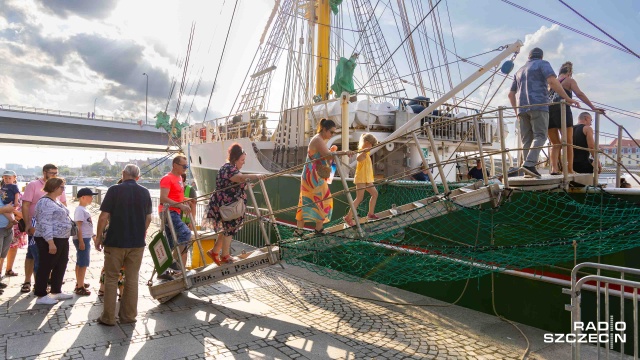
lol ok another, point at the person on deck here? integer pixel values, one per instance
(422, 175)
(32, 193)
(583, 137)
(476, 171)
(316, 204)
(530, 88)
(127, 209)
(172, 193)
(555, 115)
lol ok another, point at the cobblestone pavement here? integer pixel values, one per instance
(273, 313)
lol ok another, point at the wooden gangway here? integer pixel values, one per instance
(393, 218)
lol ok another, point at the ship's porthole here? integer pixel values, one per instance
(200, 160)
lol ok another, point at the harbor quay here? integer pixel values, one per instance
(280, 312)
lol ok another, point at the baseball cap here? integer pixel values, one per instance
(9, 173)
(85, 192)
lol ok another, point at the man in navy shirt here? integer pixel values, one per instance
(530, 86)
(127, 209)
(476, 171)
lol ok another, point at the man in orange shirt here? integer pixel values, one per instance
(172, 193)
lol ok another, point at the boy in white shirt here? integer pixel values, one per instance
(82, 241)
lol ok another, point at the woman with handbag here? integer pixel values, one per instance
(315, 204)
(228, 203)
(53, 229)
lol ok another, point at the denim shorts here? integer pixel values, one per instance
(182, 230)
(32, 253)
(82, 256)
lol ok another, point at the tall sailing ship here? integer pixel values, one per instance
(530, 238)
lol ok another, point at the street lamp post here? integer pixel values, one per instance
(94, 106)
(146, 101)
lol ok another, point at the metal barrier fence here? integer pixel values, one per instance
(607, 331)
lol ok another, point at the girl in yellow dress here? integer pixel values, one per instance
(364, 178)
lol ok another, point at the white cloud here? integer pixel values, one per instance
(549, 39)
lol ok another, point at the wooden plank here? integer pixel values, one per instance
(412, 213)
(257, 259)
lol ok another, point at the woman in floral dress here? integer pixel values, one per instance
(230, 185)
(315, 204)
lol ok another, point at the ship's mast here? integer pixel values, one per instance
(323, 13)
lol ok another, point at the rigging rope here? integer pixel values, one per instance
(597, 27)
(568, 27)
(224, 47)
(401, 43)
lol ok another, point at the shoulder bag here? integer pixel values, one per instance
(74, 226)
(232, 211)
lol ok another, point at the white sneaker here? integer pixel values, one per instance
(61, 296)
(46, 300)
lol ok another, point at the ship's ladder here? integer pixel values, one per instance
(163, 256)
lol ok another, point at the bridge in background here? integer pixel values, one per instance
(34, 126)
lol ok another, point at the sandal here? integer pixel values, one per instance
(349, 221)
(298, 233)
(10, 273)
(100, 292)
(82, 291)
(215, 257)
(318, 232)
(26, 287)
(227, 259)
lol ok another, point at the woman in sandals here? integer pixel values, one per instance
(364, 178)
(230, 185)
(315, 204)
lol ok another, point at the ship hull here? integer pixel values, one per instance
(534, 302)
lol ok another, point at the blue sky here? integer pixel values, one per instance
(59, 54)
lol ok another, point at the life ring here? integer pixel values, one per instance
(203, 134)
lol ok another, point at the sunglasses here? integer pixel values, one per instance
(52, 173)
(185, 166)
